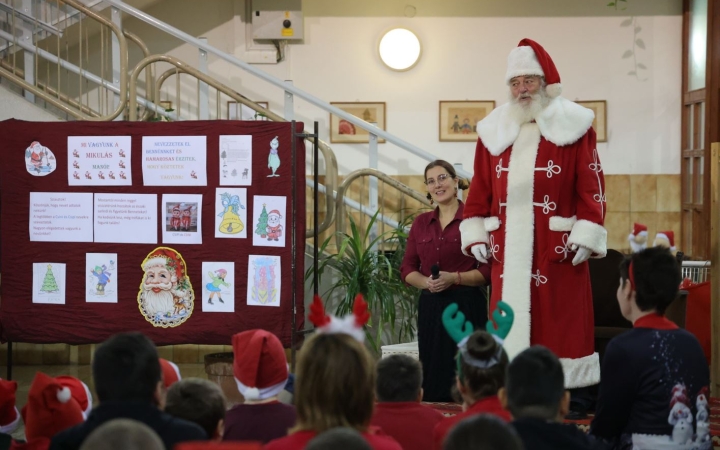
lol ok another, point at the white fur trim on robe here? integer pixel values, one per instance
(562, 122)
(589, 235)
(475, 230)
(519, 236)
(581, 372)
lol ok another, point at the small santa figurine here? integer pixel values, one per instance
(638, 237)
(175, 219)
(665, 239)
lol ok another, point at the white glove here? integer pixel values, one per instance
(582, 255)
(480, 252)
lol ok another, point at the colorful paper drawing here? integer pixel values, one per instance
(274, 157)
(181, 218)
(39, 160)
(49, 283)
(269, 220)
(264, 280)
(101, 284)
(230, 212)
(218, 293)
(166, 297)
(235, 160)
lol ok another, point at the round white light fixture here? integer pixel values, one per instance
(399, 49)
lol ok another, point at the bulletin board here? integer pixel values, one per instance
(94, 272)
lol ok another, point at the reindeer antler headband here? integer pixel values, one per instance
(351, 324)
(460, 330)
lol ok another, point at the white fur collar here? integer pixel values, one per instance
(562, 122)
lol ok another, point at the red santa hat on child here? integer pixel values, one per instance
(529, 58)
(665, 239)
(9, 415)
(170, 372)
(351, 324)
(50, 408)
(79, 391)
(638, 237)
(260, 366)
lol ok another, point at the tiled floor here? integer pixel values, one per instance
(25, 374)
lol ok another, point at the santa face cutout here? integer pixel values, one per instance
(166, 295)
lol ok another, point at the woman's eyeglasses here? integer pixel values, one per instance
(440, 180)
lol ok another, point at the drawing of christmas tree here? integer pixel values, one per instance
(49, 283)
(261, 228)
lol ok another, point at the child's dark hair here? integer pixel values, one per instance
(399, 379)
(199, 401)
(482, 432)
(480, 383)
(656, 278)
(535, 384)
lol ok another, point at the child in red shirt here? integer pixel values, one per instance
(399, 412)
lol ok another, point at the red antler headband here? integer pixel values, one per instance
(631, 275)
(351, 324)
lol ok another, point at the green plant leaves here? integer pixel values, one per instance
(640, 43)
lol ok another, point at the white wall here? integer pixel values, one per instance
(13, 106)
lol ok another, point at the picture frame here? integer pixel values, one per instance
(599, 107)
(343, 132)
(166, 105)
(238, 111)
(458, 119)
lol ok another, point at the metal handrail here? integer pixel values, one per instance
(372, 129)
(328, 154)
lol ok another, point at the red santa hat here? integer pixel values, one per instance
(351, 324)
(665, 239)
(274, 211)
(176, 208)
(50, 408)
(79, 391)
(260, 365)
(168, 258)
(529, 58)
(9, 415)
(639, 229)
(170, 371)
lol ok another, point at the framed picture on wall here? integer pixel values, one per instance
(238, 111)
(166, 105)
(599, 107)
(458, 119)
(342, 131)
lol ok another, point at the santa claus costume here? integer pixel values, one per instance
(537, 196)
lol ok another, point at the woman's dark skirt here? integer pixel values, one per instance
(437, 349)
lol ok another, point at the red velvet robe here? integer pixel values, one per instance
(537, 189)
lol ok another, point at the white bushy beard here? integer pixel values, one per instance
(526, 113)
(159, 302)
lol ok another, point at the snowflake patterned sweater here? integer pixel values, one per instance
(653, 393)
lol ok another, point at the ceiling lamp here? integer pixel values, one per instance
(400, 49)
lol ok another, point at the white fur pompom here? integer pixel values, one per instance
(251, 394)
(63, 395)
(553, 90)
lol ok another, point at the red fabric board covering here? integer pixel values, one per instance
(697, 315)
(78, 322)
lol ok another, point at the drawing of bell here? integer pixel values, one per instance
(231, 223)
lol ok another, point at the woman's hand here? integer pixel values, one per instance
(444, 281)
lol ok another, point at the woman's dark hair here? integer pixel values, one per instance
(656, 276)
(479, 382)
(462, 182)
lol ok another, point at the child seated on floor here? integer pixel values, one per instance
(335, 381)
(399, 412)
(261, 372)
(481, 364)
(535, 395)
(50, 409)
(199, 401)
(654, 378)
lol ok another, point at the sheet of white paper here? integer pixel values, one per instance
(174, 160)
(99, 160)
(269, 220)
(235, 160)
(101, 285)
(218, 291)
(61, 217)
(264, 280)
(49, 283)
(181, 221)
(126, 218)
(231, 213)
